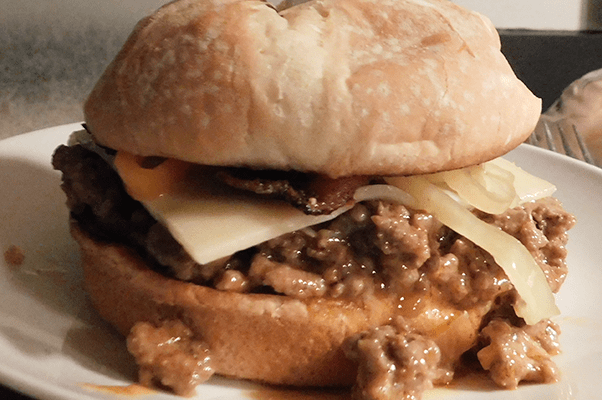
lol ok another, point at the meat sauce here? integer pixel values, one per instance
(377, 248)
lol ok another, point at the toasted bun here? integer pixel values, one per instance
(266, 338)
(340, 87)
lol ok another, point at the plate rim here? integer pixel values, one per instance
(59, 135)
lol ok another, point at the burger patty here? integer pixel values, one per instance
(376, 248)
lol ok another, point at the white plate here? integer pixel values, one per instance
(53, 346)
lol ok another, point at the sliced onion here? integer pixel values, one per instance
(493, 187)
(384, 192)
(491, 193)
(528, 187)
(536, 298)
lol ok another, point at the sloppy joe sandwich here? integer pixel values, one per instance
(314, 196)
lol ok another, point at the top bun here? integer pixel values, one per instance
(339, 87)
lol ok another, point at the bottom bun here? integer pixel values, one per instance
(262, 337)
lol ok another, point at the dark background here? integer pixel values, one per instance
(549, 61)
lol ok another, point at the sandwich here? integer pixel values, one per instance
(315, 197)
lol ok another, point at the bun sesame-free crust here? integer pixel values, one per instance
(339, 87)
(267, 338)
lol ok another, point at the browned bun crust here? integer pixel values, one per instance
(267, 338)
(340, 87)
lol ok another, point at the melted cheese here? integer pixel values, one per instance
(211, 223)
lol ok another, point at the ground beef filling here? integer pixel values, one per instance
(388, 355)
(376, 247)
(169, 356)
(512, 354)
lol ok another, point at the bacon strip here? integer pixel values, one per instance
(313, 194)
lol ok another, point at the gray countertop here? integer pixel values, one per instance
(45, 80)
(52, 52)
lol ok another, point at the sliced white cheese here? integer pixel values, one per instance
(212, 224)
